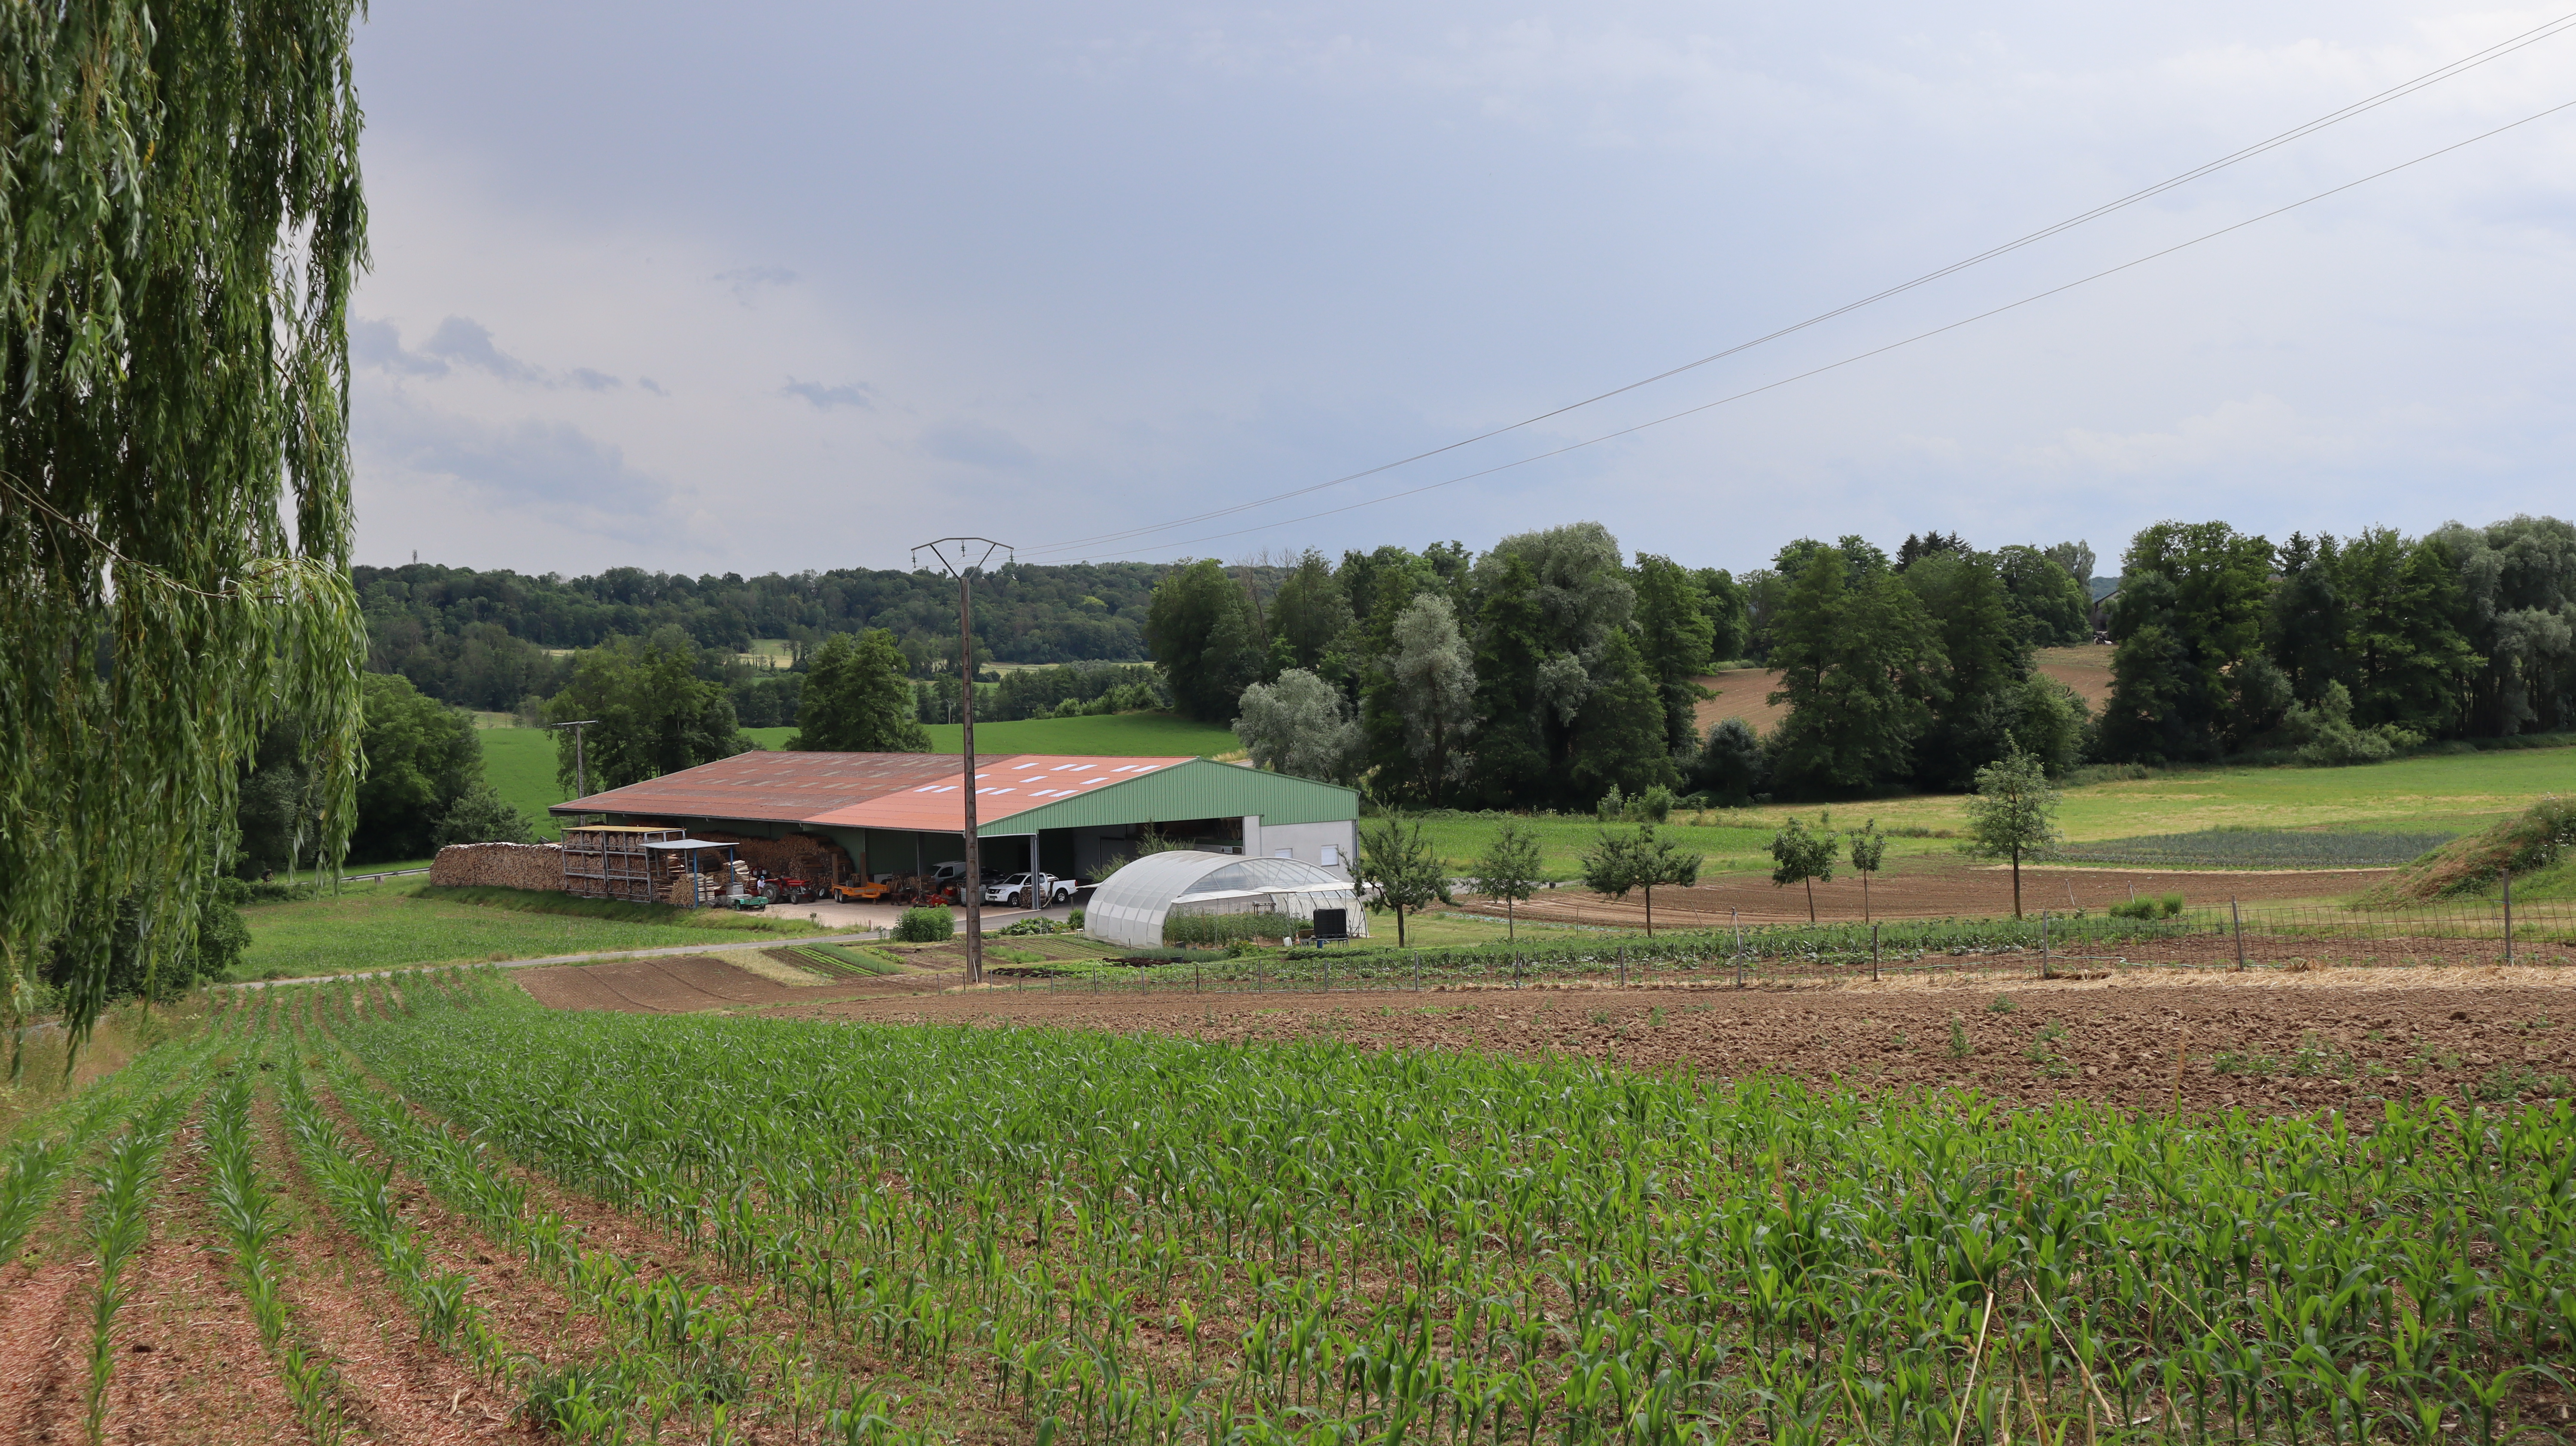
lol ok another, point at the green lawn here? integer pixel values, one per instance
(384, 926)
(520, 762)
(2458, 793)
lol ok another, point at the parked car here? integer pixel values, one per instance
(1013, 889)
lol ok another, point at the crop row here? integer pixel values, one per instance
(1142, 1239)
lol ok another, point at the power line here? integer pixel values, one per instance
(1865, 355)
(2493, 52)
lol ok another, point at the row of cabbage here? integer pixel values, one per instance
(1070, 1236)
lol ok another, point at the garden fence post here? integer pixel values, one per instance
(1623, 966)
(2236, 917)
(1417, 971)
(1873, 953)
(1738, 921)
(2508, 916)
(2043, 944)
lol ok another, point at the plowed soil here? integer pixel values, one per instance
(2263, 1041)
(1935, 888)
(1742, 692)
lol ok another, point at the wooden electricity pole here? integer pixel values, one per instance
(961, 558)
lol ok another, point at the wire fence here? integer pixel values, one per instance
(2232, 936)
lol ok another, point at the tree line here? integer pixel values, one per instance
(1553, 670)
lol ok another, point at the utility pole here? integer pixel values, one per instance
(580, 771)
(961, 558)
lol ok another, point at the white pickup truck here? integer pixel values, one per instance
(1015, 889)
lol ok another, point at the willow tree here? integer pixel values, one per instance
(180, 224)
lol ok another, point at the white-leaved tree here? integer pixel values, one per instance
(1298, 725)
(1431, 685)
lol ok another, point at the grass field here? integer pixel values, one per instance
(520, 762)
(389, 925)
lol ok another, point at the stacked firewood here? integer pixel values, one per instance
(500, 865)
(797, 856)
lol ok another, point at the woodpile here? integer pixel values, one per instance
(708, 887)
(797, 856)
(500, 866)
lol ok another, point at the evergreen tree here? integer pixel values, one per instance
(857, 700)
(1204, 636)
(1617, 740)
(2407, 660)
(1674, 638)
(1857, 667)
(2199, 686)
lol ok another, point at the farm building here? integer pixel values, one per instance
(902, 813)
(1132, 904)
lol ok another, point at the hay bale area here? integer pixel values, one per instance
(797, 856)
(500, 866)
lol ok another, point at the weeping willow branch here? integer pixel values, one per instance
(180, 225)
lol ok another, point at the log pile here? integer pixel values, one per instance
(710, 886)
(797, 856)
(500, 866)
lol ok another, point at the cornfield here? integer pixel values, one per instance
(907, 1234)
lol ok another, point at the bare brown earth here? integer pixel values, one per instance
(683, 985)
(1744, 692)
(2370, 1035)
(1936, 888)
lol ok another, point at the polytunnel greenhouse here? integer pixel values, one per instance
(1134, 905)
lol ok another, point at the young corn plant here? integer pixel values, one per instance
(121, 1186)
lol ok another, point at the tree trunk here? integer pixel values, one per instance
(1650, 911)
(2016, 881)
(1399, 928)
(1864, 896)
(1811, 900)
(1511, 925)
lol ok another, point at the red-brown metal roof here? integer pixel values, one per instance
(919, 791)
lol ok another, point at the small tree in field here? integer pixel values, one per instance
(1868, 851)
(1398, 860)
(1509, 871)
(1638, 861)
(2012, 813)
(1800, 857)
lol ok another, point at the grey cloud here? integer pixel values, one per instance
(468, 342)
(379, 344)
(650, 385)
(549, 467)
(592, 381)
(746, 280)
(976, 445)
(828, 398)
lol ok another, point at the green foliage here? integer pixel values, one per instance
(2324, 736)
(1733, 768)
(1511, 869)
(183, 223)
(1418, 700)
(217, 939)
(2013, 813)
(390, 925)
(2152, 907)
(1867, 848)
(856, 699)
(422, 759)
(653, 714)
(1397, 869)
(1640, 861)
(1298, 726)
(1675, 638)
(1205, 929)
(2537, 838)
(1801, 857)
(926, 925)
(1858, 660)
(482, 815)
(1309, 614)
(2187, 679)
(1206, 639)
(2050, 606)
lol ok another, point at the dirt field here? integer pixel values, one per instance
(1741, 693)
(1936, 888)
(2263, 1042)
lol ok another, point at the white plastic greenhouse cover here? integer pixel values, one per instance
(1129, 906)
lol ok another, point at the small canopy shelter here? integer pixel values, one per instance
(1130, 905)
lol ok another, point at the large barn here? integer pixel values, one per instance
(904, 813)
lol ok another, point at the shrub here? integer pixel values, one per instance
(926, 925)
(1074, 920)
(1227, 928)
(1034, 924)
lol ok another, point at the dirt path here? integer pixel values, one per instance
(2272, 1043)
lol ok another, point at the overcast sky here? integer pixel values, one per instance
(753, 288)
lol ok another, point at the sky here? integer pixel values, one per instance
(749, 289)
